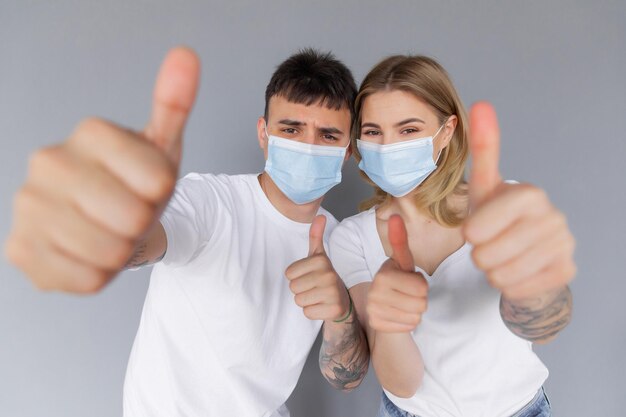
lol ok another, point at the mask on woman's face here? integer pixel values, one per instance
(303, 172)
(398, 168)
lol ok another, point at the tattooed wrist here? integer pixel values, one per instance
(139, 257)
(538, 319)
(344, 354)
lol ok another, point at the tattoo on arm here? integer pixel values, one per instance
(344, 357)
(139, 258)
(537, 320)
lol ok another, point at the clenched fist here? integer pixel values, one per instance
(398, 295)
(520, 239)
(86, 202)
(314, 282)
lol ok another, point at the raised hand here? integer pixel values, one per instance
(520, 239)
(314, 282)
(88, 200)
(398, 295)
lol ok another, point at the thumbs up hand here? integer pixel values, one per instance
(315, 284)
(520, 239)
(398, 295)
(87, 201)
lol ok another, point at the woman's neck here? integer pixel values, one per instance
(413, 215)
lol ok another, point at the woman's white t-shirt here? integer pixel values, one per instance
(474, 365)
(220, 334)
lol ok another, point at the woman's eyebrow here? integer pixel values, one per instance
(411, 120)
(374, 125)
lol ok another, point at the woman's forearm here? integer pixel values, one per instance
(398, 363)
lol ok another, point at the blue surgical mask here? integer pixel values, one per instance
(398, 168)
(302, 171)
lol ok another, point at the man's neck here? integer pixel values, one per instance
(302, 213)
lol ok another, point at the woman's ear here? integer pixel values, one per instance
(448, 130)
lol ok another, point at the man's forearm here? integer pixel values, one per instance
(344, 354)
(540, 319)
(150, 249)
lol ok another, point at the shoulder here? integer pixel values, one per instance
(331, 221)
(352, 228)
(200, 184)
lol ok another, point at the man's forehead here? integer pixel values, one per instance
(281, 108)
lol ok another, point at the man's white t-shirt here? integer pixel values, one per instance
(220, 333)
(474, 365)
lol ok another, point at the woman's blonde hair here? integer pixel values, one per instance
(428, 80)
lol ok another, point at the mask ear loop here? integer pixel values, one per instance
(439, 130)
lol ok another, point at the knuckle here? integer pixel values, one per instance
(572, 271)
(422, 284)
(42, 160)
(330, 279)
(89, 126)
(44, 285)
(139, 219)
(299, 300)
(92, 282)
(163, 183)
(477, 257)
(560, 219)
(494, 279)
(16, 251)
(567, 272)
(119, 252)
(25, 200)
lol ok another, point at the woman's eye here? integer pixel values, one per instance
(409, 130)
(371, 133)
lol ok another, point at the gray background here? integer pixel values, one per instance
(554, 70)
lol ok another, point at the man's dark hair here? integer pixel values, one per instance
(309, 77)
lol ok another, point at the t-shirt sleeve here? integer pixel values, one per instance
(347, 255)
(189, 219)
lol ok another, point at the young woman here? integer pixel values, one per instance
(453, 280)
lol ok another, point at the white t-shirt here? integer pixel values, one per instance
(474, 366)
(220, 333)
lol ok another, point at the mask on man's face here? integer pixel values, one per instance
(303, 172)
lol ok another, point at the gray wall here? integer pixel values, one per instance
(555, 71)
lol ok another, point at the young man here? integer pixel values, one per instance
(220, 333)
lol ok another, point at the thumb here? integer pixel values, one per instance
(174, 94)
(484, 143)
(400, 243)
(316, 235)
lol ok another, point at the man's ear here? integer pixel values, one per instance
(348, 153)
(261, 135)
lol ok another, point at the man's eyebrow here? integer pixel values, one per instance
(327, 130)
(291, 122)
(298, 123)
